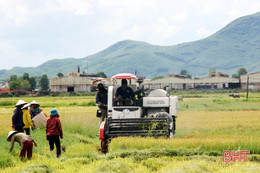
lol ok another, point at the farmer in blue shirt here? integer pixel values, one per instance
(125, 94)
(17, 118)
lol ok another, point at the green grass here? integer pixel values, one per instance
(49, 101)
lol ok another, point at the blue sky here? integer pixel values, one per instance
(35, 31)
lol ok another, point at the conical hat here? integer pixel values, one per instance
(34, 103)
(10, 134)
(20, 102)
(26, 106)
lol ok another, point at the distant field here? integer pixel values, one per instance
(207, 125)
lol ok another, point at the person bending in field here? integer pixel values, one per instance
(25, 141)
(54, 131)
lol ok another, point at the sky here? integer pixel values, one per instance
(35, 31)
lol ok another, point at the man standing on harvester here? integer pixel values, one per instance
(125, 94)
(101, 101)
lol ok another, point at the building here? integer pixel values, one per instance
(73, 82)
(253, 81)
(180, 83)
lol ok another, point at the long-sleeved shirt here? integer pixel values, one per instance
(34, 111)
(17, 118)
(125, 93)
(27, 119)
(20, 138)
(101, 97)
(53, 127)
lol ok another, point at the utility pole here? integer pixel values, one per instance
(247, 82)
(87, 65)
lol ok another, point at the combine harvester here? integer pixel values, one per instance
(151, 115)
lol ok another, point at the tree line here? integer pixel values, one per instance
(27, 83)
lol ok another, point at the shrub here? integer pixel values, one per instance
(43, 93)
(6, 94)
(18, 93)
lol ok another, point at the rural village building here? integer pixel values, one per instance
(73, 82)
(179, 82)
(82, 82)
(253, 81)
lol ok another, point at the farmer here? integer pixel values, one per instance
(34, 110)
(125, 94)
(17, 118)
(54, 131)
(27, 119)
(25, 141)
(101, 100)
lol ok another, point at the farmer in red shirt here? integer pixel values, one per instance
(54, 131)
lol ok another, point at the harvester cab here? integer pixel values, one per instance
(151, 115)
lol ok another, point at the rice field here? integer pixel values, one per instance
(201, 137)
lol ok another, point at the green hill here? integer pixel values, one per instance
(236, 45)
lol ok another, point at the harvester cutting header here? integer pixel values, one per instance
(150, 114)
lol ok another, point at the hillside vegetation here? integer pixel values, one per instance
(236, 45)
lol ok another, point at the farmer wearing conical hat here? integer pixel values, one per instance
(25, 141)
(34, 110)
(17, 118)
(27, 119)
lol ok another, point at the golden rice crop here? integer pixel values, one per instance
(201, 137)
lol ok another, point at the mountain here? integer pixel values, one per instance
(236, 45)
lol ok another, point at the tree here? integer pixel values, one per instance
(44, 82)
(212, 71)
(25, 76)
(7, 79)
(14, 85)
(13, 77)
(183, 72)
(241, 71)
(101, 74)
(60, 74)
(235, 76)
(157, 77)
(25, 85)
(32, 82)
(189, 76)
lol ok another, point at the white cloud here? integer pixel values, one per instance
(78, 7)
(59, 28)
(203, 32)
(13, 13)
(181, 17)
(165, 29)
